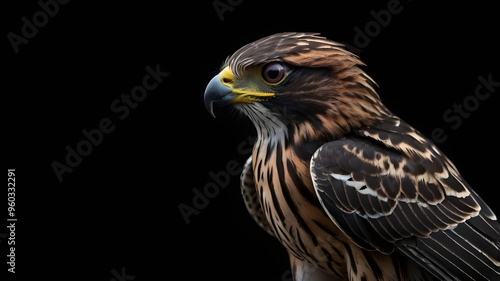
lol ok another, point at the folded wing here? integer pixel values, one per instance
(389, 188)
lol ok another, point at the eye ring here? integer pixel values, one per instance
(273, 73)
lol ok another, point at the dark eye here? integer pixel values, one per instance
(273, 72)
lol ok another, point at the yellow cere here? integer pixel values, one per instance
(242, 95)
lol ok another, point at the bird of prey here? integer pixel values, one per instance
(351, 190)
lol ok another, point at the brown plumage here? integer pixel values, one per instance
(348, 188)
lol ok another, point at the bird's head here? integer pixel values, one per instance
(298, 80)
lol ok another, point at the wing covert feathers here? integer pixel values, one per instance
(387, 190)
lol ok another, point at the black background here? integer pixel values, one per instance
(119, 208)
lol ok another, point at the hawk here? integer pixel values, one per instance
(351, 190)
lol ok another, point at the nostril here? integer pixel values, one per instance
(226, 80)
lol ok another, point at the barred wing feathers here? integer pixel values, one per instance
(387, 187)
